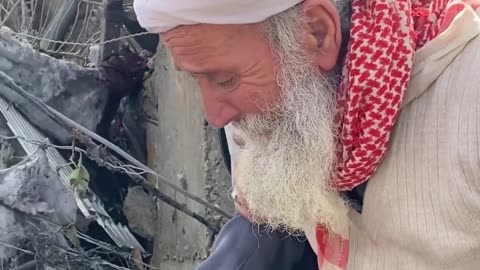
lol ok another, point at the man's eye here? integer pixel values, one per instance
(227, 83)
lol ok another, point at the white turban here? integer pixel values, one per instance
(162, 15)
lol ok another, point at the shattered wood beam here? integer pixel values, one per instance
(111, 25)
(60, 23)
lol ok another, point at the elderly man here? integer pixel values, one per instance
(325, 96)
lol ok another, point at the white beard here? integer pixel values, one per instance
(284, 171)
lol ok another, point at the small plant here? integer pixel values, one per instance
(79, 177)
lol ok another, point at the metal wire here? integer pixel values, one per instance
(78, 43)
(36, 23)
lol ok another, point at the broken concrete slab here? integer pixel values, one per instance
(67, 87)
(32, 188)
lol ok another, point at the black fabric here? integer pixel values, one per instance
(244, 246)
(355, 196)
(224, 149)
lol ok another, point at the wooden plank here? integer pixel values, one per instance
(60, 23)
(111, 25)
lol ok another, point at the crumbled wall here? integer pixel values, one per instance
(185, 149)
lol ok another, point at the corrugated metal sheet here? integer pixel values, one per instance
(90, 205)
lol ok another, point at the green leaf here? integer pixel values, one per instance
(79, 177)
(71, 233)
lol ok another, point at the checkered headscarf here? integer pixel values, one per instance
(384, 37)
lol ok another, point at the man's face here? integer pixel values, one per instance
(260, 78)
(233, 66)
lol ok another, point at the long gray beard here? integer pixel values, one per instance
(284, 171)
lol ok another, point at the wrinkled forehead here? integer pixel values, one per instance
(206, 32)
(192, 46)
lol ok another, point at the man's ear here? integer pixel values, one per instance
(323, 35)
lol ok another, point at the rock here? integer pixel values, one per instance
(140, 209)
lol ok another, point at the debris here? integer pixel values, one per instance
(66, 87)
(85, 135)
(122, 73)
(148, 42)
(140, 209)
(96, 153)
(94, 55)
(74, 97)
(88, 203)
(138, 260)
(59, 24)
(32, 188)
(95, 113)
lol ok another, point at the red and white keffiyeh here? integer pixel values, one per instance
(384, 36)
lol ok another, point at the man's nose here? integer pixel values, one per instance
(219, 113)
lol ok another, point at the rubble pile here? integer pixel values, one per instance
(46, 220)
(69, 200)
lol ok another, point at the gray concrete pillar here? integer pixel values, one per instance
(185, 149)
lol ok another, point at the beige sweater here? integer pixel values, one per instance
(422, 207)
